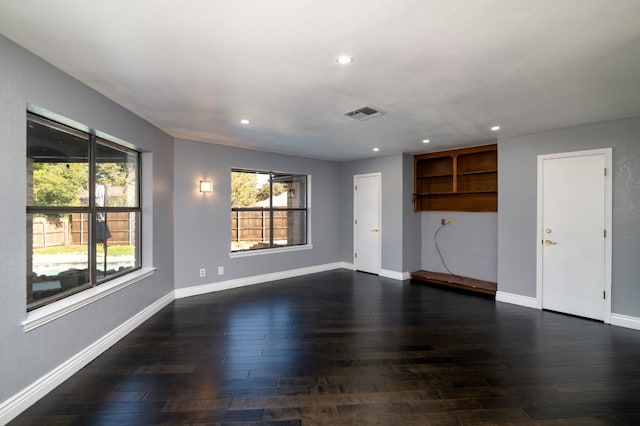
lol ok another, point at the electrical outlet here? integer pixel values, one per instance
(203, 272)
(220, 270)
(443, 221)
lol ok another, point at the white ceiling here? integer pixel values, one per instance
(446, 70)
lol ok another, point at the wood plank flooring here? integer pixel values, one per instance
(344, 348)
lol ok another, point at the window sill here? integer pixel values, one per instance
(260, 252)
(62, 307)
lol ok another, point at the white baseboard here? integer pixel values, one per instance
(516, 299)
(347, 265)
(625, 321)
(395, 275)
(256, 279)
(19, 402)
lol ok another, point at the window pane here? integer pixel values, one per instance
(58, 258)
(289, 191)
(117, 248)
(289, 227)
(249, 189)
(250, 230)
(266, 203)
(116, 176)
(57, 166)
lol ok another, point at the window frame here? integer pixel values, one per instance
(270, 210)
(118, 279)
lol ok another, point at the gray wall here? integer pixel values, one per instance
(24, 357)
(517, 205)
(469, 245)
(203, 222)
(392, 202)
(411, 223)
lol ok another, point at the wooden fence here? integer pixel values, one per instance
(50, 233)
(253, 226)
(75, 231)
(121, 225)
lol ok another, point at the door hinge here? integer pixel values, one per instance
(604, 295)
(356, 221)
(355, 188)
(605, 233)
(605, 171)
(355, 255)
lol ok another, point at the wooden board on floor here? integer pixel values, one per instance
(472, 284)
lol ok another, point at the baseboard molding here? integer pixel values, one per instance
(516, 299)
(347, 265)
(256, 279)
(625, 321)
(19, 402)
(395, 275)
(531, 302)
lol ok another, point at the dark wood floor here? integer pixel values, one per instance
(343, 348)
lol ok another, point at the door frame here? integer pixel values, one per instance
(608, 209)
(378, 176)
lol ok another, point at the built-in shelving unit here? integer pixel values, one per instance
(463, 179)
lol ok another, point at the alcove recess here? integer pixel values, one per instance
(463, 180)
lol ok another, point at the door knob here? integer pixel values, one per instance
(374, 230)
(549, 243)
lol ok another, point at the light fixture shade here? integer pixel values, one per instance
(206, 186)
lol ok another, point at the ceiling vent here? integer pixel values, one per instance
(364, 113)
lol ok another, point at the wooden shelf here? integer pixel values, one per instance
(435, 175)
(486, 191)
(457, 180)
(476, 172)
(464, 283)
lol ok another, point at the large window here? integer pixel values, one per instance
(83, 210)
(268, 210)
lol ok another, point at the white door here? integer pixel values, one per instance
(572, 233)
(366, 227)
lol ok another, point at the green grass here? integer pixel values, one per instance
(111, 250)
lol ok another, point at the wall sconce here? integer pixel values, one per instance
(206, 186)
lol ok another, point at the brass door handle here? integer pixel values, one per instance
(549, 243)
(374, 230)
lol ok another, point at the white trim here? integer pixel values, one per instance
(608, 205)
(400, 276)
(347, 265)
(256, 279)
(22, 400)
(378, 176)
(517, 299)
(248, 253)
(625, 321)
(62, 307)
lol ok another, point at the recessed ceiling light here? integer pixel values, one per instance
(376, 149)
(344, 59)
(425, 141)
(244, 121)
(495, 128)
